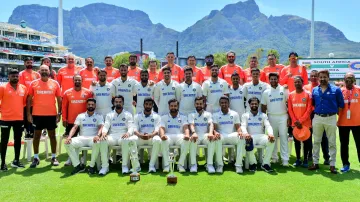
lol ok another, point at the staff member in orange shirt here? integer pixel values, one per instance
(42, 94)
(134, 71)
(25, 78)
(349, 119)
(66, 74)
(209, 61)
(226, 71)
(253, 64)
(47, 62)
(111, 72)
(153, 73)
(272, 67)
(12, 97)
(177, 73)
(88, 74)
(300, 108)
(288, 72)
(198, 76)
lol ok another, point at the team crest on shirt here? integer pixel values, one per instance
(269, 95)
(136, 73)
(118, 84)
(281, 93)
(221, 85)
(83, 95)
(108, 89)
(179, 121)
(240, 92)
(194, 89)
(260, 88)
(260, 119)
(168, 121)
(231, 117)
(149, 89)
(141, 120)
(152, 120)
(155, 78)
(205, 119)
(123, 119)
(162, 89)
(129, 85)
(94, 120)
(277, 69)
(175, 72)
(356, 95)
(113, 73)
(83, 119)
(173, 88)
(304, 99)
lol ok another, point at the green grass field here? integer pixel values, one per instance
(47, 183)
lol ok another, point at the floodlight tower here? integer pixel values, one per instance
(60, 25)
(312, 35)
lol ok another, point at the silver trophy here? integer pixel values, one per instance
(134, 176)
(171, 178)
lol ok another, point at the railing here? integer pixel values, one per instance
(24, 41)
(20, 62)
(28, 52)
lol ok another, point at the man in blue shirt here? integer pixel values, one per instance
(327, 99)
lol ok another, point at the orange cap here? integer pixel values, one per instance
(301, 134)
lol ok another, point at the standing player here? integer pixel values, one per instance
(111, 72)
(209, 61)
(153, 73)
(66, 74)
(147, 125)
(213, 89)
(43, 94)
(253, 64)
(227, 131)
(198, 76)
(143, 90)
(236, 95)
(274, 102)
(88, 74)
(272, 67)
(226, 71)
(254, 88)
(47, 61)
(165, 90)
(134, 71)
(13, 98)
(288, 72)
(188, 91)
(177, 73)
(174, 130)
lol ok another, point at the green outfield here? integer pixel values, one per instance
(47, 183)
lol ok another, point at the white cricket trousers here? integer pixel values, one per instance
(261, 139)
(127, 145)
(279, 125)
(155, 143)
(328, 124)
(87, 141)
(178, 140)
(230, 139)
(202, 139)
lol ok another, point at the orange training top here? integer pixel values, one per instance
(154, 76)
(12, 102)
(226, 71)
(112, 74)
(88, 77)
(207, 73)
(74, 103)
(268, 69)
(65, 77)
(177, 73)
(297, 71)
(198, 76)
(134, 73)
(300, 107)
(25, 77)
(352, 102)
(248, 76)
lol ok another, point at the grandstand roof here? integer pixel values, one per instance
(18, 28)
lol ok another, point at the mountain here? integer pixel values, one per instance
(101, 29)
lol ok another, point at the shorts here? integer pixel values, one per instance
(68, 129)
(44, 122)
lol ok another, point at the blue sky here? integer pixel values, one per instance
(178, 15)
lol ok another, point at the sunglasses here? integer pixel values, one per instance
(231, 56)
(209, 60)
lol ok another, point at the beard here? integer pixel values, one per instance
(91, 109)
(209, 63)
(254, 108)
(148, 109)
(44, 74)
(132, 63)
(102, 79)
(144, 80)
(77, 84)
(29, 66)
(198, 109)
(174, 110)
(118, 107)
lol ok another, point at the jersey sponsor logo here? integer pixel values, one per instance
(44, 92)
(77, 101)
(277, 100)
(124, 90)
(102, 94)
(352, 101)
(173, 126)
(189, 95)
(254, 124)
(168, 94)
(255, 93)
(144, 94)
(216, 91)
(89, 125)
(236, 97)
(118, 124)
(147, 126)
(299, 105)
(200, 124)
(225, 122)
(68, 77)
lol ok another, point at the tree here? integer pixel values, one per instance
(120, 59)
(276, 53)
(220, 59)
(258, 53)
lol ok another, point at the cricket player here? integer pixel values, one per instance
(174, 130)
(227, 131)
(236, 95)
(254, 88)
(252, 125)
(274, 102)
(202, 130)
(187, 93)
(90, 124)
(147, 125)
(143, 90)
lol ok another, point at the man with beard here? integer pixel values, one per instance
(254, 88)
(118, 130)
(213, 89)
(227, 70)
(147, 125)
(327, 99)
(288, 72)
(153, 73)
(253, 64)
(66, 74)
(44, 93)
(253, 124)
(201, 128)
(188, 91)
(13, 98)
(143, 90)
(236, 95)
(274, 102)
(272, 67)
(134, 71)
(209, 61)
(174, 130)
(177, 73)
(88, 74)
(126, 87)
(165, 90)
(25, 78)
(111, 72)
(90, 124)
(198, 76)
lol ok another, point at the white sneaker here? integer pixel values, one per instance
(210, 168)
(193, 168)
(181, 168)
(103, 171)
(152, 169)
(285, 163)
(68, 162)
(166, 169)
(125, 170)
(274, 160)
(219, 169)
(239, 169)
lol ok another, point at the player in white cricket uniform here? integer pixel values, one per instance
(174, 130)
(147, 125)
(213, 89)
(202, 130)
(274, 102)
(227, 131)
(103, 93)
(255, 88)
(236, 95)
(188, 91)
(126, 87)
(90, 124)
(164, 91)
(143, 90)
(253, 124)
(118, 130)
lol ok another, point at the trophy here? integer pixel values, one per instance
(134, 176)
(171, 178)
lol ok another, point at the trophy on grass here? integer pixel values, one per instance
(134, 176)
(171, 178)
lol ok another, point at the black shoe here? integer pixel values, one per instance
(327, 162)
(3, 168)
(252, 167)
(17, 164)
(91, 170)
(78, 169)
(267, 168)
(35, 162)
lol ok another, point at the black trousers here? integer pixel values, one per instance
(29, 128)
(307, 146)
(5, 134)
(344, 134)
